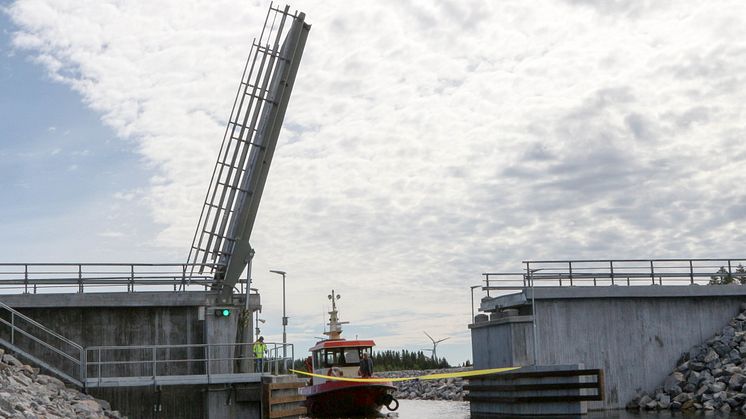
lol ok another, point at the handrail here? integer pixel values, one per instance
(83, 358)
(618, 272)
(41, 326)
(130, 277)
(214, 356)
(78, 362)
(35, 339)
(635, 260)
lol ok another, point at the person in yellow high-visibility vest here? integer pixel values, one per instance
(259, 349)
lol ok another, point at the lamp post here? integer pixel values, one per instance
(533, 311)
(284, 316)
(472, 301)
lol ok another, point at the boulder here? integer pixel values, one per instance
(673, 381)
(720, 396)
(731, 368)
(644, 400)
(12, 361)
(683, 397)
(736, 381)
(702, 390)
(721, 348)
(697, 365)
(87, 407)
(711, 356)
(693, 377)
(717, 387)
(728, 332)
(688, 405)
(697, 353)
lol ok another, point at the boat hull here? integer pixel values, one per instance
(334, 399)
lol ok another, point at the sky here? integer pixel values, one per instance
(425, 143)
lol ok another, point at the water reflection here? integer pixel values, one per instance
(622, 414)
(421, 409)
(430, 409)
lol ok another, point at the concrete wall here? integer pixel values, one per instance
(511, 342)
(183, 402)
(129, 319)
(487, 409)
(635, 334)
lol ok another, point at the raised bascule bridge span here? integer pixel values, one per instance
(173, 339)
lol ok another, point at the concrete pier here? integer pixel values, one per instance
(634, 333)
(167, 325)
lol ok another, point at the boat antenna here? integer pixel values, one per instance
(335, 326)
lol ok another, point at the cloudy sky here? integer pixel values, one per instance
(425, 143)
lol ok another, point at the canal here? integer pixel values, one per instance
(428, 409)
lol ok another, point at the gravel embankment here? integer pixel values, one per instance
(443, 389)
(710, 376)
(24, 393)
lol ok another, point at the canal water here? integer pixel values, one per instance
(427, 409)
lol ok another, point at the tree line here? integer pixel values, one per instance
(724, 276)
(406, 360)
(397, 361)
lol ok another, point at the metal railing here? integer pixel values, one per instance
(618, 272)
(41, 345)
(33, 278)
(101, 366)
(140, 365)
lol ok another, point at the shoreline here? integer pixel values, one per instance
(448, 389)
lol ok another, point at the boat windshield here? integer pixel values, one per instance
(351, 355)
(340, 356)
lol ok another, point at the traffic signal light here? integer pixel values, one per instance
(222, 312)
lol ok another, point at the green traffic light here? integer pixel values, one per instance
(222, 312)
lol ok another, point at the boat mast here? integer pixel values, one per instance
(335, 326)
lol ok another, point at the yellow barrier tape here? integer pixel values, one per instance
(461, 374)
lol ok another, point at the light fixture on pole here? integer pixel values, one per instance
(284, 315)
(256, 328)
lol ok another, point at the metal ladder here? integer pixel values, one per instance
(40, 345)
(221, 240)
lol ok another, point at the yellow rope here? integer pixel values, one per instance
(461, 374)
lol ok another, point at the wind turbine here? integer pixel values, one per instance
(435, 345)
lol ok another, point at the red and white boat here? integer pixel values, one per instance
(339, 357)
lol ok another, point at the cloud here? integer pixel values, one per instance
(111, 234)
(426, 143)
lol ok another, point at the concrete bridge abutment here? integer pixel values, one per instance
(634, 333)
(164, 325)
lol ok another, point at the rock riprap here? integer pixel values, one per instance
(24, 393)
(442, 389)
(710, 376)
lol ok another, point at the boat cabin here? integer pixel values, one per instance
(339, 358)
